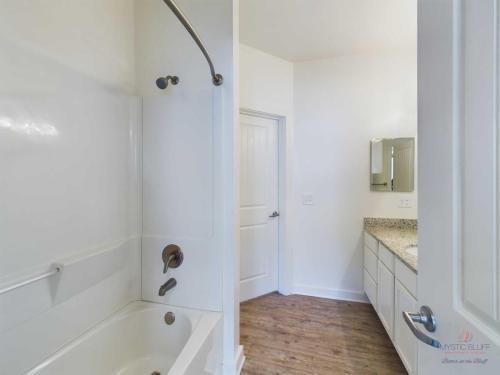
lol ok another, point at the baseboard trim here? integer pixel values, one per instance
(240, 359)
(339, 294)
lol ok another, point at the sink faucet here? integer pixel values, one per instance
(170, 284)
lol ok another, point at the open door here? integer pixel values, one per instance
(459, 189)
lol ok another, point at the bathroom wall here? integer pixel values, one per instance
(267, 85)
(69, 188)
(71, 156)
(340, 104)
(333, 108)
(266, 82)
(188, 160)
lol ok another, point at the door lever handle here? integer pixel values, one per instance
(275, 214)
(426, 318)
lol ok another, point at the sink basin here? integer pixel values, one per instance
(412, 250)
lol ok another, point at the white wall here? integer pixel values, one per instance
(340, 104)
(333, 108)
(188, 163)
(68, 156)
(266, 82)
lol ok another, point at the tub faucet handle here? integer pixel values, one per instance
(172, 257)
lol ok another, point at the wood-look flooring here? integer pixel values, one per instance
(299, 335)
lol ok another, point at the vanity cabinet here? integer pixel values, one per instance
(391, 287)
(404, 340)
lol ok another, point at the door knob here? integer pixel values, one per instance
(426, 318)
(275, 214)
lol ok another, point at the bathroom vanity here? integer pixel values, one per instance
(390, 280)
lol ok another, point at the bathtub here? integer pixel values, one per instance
(137, 341)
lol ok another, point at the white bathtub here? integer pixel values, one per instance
(137, 341)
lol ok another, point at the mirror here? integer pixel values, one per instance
(392, 164)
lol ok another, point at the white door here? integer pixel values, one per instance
(459, 184)
(259, 200)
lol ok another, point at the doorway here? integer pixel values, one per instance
(259, 205)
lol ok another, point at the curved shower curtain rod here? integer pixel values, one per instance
(217, 79)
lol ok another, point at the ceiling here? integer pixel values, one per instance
(299, 30)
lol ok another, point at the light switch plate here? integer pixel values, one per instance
(307, 199)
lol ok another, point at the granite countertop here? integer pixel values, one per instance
(396, 235)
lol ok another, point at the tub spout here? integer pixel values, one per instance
(171, 283)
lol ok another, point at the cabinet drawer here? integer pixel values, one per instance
(371, 243)
(370, 287)
(370, 261)
(406, 277)
(386, 256)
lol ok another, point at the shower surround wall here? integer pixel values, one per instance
(188, 135)
(68, 187)
(72, 170)
(180, 200)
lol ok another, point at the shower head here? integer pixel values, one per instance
(162, 82)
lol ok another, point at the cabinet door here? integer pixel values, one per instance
(370, 289)
(370, 263)
(385, 297)
(404, 340)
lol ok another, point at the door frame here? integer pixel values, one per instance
(284, 204)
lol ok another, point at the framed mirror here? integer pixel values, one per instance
(392, 166)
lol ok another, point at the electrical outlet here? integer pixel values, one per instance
(405, 203)
(307, 199)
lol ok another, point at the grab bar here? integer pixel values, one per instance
(217, 79)
(56, 268)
